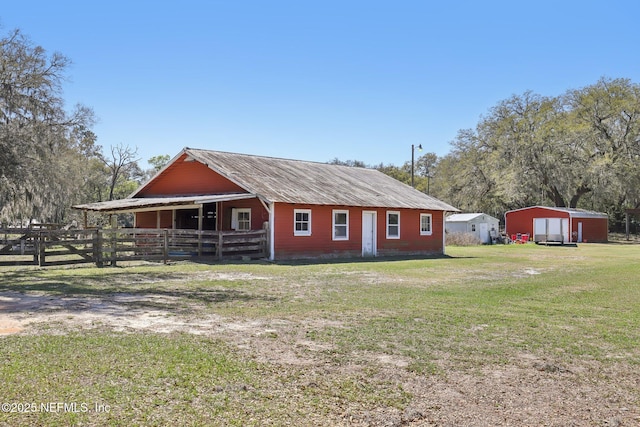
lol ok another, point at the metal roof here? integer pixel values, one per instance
(573, 212)
(464, 217)
(303, 182)
(155, 203)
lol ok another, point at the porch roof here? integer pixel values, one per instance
(158, 203)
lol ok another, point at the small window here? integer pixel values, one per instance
(241, 219)
(302, 222)
(473, 227)
(425, 224)
(393, 225)
(340, 225)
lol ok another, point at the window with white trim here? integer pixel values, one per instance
(302, 222)
(340, 225)
(425, 224)
(393, 225)
(241, 219)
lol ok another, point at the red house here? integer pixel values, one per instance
(309, 209)
(563, 225)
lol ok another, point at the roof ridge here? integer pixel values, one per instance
(279, 158)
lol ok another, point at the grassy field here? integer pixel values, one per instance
(488, 335)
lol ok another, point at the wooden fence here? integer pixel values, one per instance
(108, 246)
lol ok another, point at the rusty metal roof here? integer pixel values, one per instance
(303, 182)
(285, 181)
(155, 203)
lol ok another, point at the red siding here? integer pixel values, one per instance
(146, 219)
(150, 219)
(188, 178)
(258, 213)
(166, 219)
(321, 244)
(595, 230)
(410, 239)
(521, 221)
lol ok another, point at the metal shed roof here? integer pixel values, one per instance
(133, 204)
(303, 182)
(573, 212)
(465, 217)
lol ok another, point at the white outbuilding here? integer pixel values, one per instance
(483, 226)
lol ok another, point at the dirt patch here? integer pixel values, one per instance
(523, 391)
(30, 313)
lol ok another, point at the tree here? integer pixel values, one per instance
(37, 134)
(578, 149)
(464, 178)
(123, 169)
(158, 162)
(609, 113)
(350, 163)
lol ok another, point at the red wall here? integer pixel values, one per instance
(150, 219)
(595, 230)
(321, 243)
(258, 215)
(146, 219)
(188, 178)
(521, 221)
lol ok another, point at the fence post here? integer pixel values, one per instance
(219, 248)
(165, 245)
(36, 251)
(97, 248)
(41, 248)
(114, 248)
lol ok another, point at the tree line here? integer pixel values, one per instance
(49, 157)
(580, 149)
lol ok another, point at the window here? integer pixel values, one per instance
(473, 227)
(393, 225)
(302, 222)
(425, 224)
(340, 225)
(241, 219)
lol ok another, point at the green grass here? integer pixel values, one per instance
(477, 308)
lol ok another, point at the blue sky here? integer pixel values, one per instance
(316, 80)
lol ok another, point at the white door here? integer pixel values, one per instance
(539, 229)
(484, 233)
(554, 226)
(580, 232)
(368, 233)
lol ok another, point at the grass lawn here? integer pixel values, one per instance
(489, 335)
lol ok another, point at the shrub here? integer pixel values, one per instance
(462, 239)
